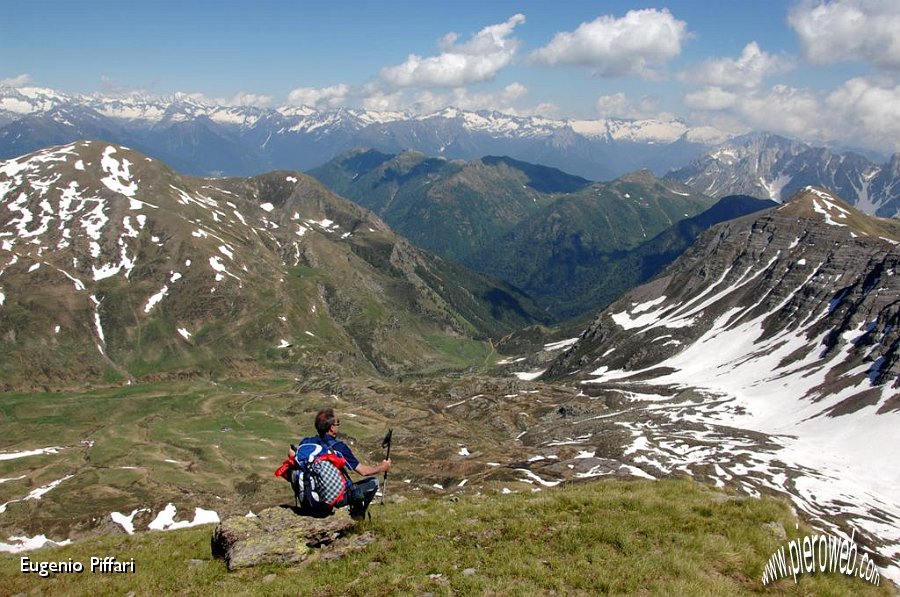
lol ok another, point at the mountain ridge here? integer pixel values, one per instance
(114, 266)
(548, 232)
(812, 218)
(207, 139)
(775, 336)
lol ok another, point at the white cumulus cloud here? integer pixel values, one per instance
(426, 101)
(711, 98)
(747, 71)
(22, 80)
(479, 59)
(869, 111)
(501, 100)
(382, 101)
(248, 99)
(635, 44)
(619, 105)
(330, 97)
(784, 109)
(867, 30)
(862, 111)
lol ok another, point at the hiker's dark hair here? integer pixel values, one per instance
(324, 420)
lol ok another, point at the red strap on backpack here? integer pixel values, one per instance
(284, 471)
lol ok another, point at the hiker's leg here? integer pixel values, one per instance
(363, 492)
(369, 487)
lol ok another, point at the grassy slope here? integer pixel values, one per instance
(663, 537)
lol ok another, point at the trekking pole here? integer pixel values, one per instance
(386, 443)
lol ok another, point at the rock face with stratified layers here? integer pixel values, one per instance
(806, 295)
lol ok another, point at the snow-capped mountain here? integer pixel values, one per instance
(201, 138)
(767, 355)
(773, 167)
(812, 286)
(113, 266)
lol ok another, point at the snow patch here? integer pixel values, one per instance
(561, 344)
(38, 493)
(127, 521)
(532, 476)
(118, 177)
(153, 300)
(528, 375)
(165, 520)
(21, 543)
(26, 453)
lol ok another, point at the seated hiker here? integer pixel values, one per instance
(326, 446)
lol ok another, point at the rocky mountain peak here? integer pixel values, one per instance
(765, 165)
(812, 281)
(814, 203)
(246, 140)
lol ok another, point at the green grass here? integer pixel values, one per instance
(461, 352)
(218, 436)
(302, 271)
(659, 538)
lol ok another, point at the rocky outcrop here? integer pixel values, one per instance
(281, 536)
(813, 281)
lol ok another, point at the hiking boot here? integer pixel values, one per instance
(357, 510)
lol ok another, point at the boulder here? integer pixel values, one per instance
(282, 536)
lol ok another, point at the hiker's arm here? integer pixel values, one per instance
(366, 470)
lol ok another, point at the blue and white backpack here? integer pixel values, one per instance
(320, 481)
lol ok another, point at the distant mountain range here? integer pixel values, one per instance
(114, 267)
(776, 168)
(203, 139)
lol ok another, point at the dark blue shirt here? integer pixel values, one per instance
(336, 445)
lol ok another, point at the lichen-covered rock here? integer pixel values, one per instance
(281, 536)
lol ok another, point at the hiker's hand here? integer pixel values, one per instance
(385, 465)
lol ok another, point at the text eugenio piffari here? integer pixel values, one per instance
(96, 565)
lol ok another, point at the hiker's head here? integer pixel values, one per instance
(326, 421)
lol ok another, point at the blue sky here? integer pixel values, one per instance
(816, 69)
